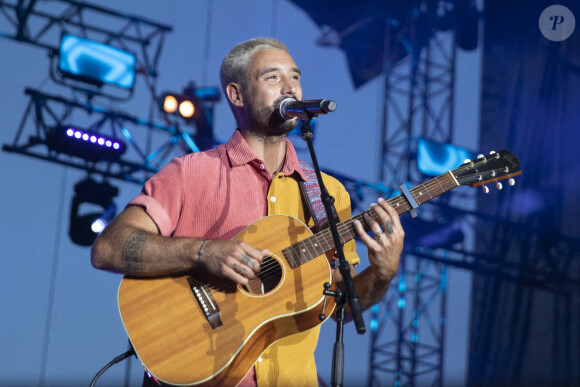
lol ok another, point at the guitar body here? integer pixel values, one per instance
(176, 341)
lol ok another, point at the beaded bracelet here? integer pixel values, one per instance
(200, 252)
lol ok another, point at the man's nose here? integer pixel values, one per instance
(289, 87)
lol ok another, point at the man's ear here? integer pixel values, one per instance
(234, 94)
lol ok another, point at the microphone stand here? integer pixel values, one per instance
(343, 266)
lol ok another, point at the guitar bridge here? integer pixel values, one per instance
(206, 302)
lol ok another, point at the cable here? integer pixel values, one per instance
(52, 285)
(116, 360)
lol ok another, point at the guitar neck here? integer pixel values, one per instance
(318, 244)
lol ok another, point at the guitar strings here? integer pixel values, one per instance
(346, 227)
(322, 238)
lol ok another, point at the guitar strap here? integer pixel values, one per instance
(311, 194)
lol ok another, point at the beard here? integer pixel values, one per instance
(267, 120)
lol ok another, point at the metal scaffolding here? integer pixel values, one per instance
(46, 112)
(41, 23)
(408, 327)
(151, 145)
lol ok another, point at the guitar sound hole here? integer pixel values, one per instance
(267, 279)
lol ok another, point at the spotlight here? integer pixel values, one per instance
(185, 106)
(86, 144)
(187, 109)
(434, 159)
(190, 103)
(99, 224)
(194, 106)
(170, 104)
(85, 227)
(95, 63)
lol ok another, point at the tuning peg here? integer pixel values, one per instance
(511, 182)
(480, 156)
(466, 161)
(492, 152)
(485, 189)
(498, 185)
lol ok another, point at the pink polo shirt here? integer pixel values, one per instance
(213, 194)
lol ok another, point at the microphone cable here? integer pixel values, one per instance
(116, 360)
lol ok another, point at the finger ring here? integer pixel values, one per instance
(389, 227)
(378, 235)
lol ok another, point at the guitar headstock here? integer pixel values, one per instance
(488, 169)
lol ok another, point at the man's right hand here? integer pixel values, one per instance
(234, 260)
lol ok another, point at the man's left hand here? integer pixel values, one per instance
(386, 245)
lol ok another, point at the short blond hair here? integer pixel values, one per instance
(237, 62)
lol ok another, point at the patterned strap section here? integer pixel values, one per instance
(311, 193)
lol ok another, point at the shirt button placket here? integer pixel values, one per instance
(272, 204)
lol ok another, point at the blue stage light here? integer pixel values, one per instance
(85, 144)
(434, 159)
(104, 219)
(96, 63)
(86, 225)
(374, 320)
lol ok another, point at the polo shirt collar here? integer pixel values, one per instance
(240, 153)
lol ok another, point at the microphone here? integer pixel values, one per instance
(290, 108)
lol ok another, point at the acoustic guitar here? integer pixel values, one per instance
(200, 329)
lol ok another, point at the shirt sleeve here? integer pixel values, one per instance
(162, 197)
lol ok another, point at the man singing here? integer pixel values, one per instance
(188, 213)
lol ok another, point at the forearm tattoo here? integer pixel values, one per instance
(132, 254)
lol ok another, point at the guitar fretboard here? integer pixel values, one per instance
(318, 244)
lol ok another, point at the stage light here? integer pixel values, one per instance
(99, 224)
(190, 103)
(84, 227)
(183, 105)
(434, 159)
(86, 144)
(170, 104)
(194, 106)
(95, 63)
(187, 109)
